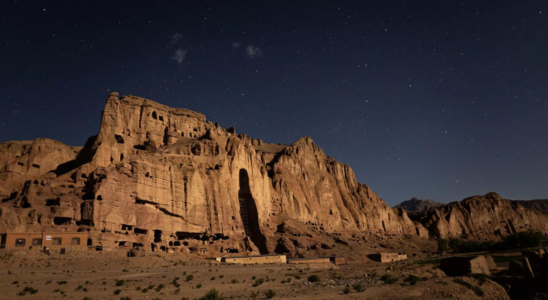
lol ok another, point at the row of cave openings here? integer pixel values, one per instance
(248, 213)
(22, 164)
(155, 116)
(182, 238)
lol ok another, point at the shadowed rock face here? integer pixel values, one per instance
(415, 204)
(540, 205)
(485, 216)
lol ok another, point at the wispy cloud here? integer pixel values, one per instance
(235, 45)
(174, 39)
(179, 55)
(253, 51)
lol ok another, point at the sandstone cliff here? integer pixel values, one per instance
(540, 205)
(481, 217)
(164, 178)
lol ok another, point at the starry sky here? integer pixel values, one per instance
(429, 99)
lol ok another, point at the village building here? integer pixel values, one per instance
(461, 266)
(41, 240)
(388, 257)
(314, 260)
(258, 259)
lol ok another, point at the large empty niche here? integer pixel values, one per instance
(62, 221)
(249, 214)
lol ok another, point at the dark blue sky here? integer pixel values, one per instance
(432, 99)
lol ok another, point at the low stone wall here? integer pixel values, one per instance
(262, 259)
(308, 260)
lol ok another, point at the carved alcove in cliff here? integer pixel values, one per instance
(249, 214)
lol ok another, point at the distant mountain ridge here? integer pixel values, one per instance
(415, 204)
(479, 216)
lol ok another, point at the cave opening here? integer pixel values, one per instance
(60, 221)
(249, 214)
(157, 236)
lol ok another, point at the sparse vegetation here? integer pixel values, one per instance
(175, 283)
(388, 279)
(199, 286)
(61, 282)
(117, 292)
(482, 278)
(358, 287)
(159, 287)
(442, 245)
(314, 278)
(412, 279)
(461, 246)
(119, 282)
(213, 294)
(258, 282)
(26, 290)
(254, 295)
(477, 290)
(189, 277)
(526, 239)
(269, 294)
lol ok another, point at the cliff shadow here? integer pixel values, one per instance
(249, 214)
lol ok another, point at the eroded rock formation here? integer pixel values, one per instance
(415, 204)
(487, 216)
(163, 178)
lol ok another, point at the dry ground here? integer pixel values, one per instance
(96, 277)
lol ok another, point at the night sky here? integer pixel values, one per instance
(429, 99)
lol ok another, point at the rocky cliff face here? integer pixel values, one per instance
(481, 217)
(162, 178)
(415, 204)
(165, 179)
(540, 205)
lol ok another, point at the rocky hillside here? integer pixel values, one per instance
(481, 217)
(415, 204)
(166, 179)
(537, 204)
(163, 178)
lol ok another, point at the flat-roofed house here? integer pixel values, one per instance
(258, 259)
(39, 240)
(388, 257)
